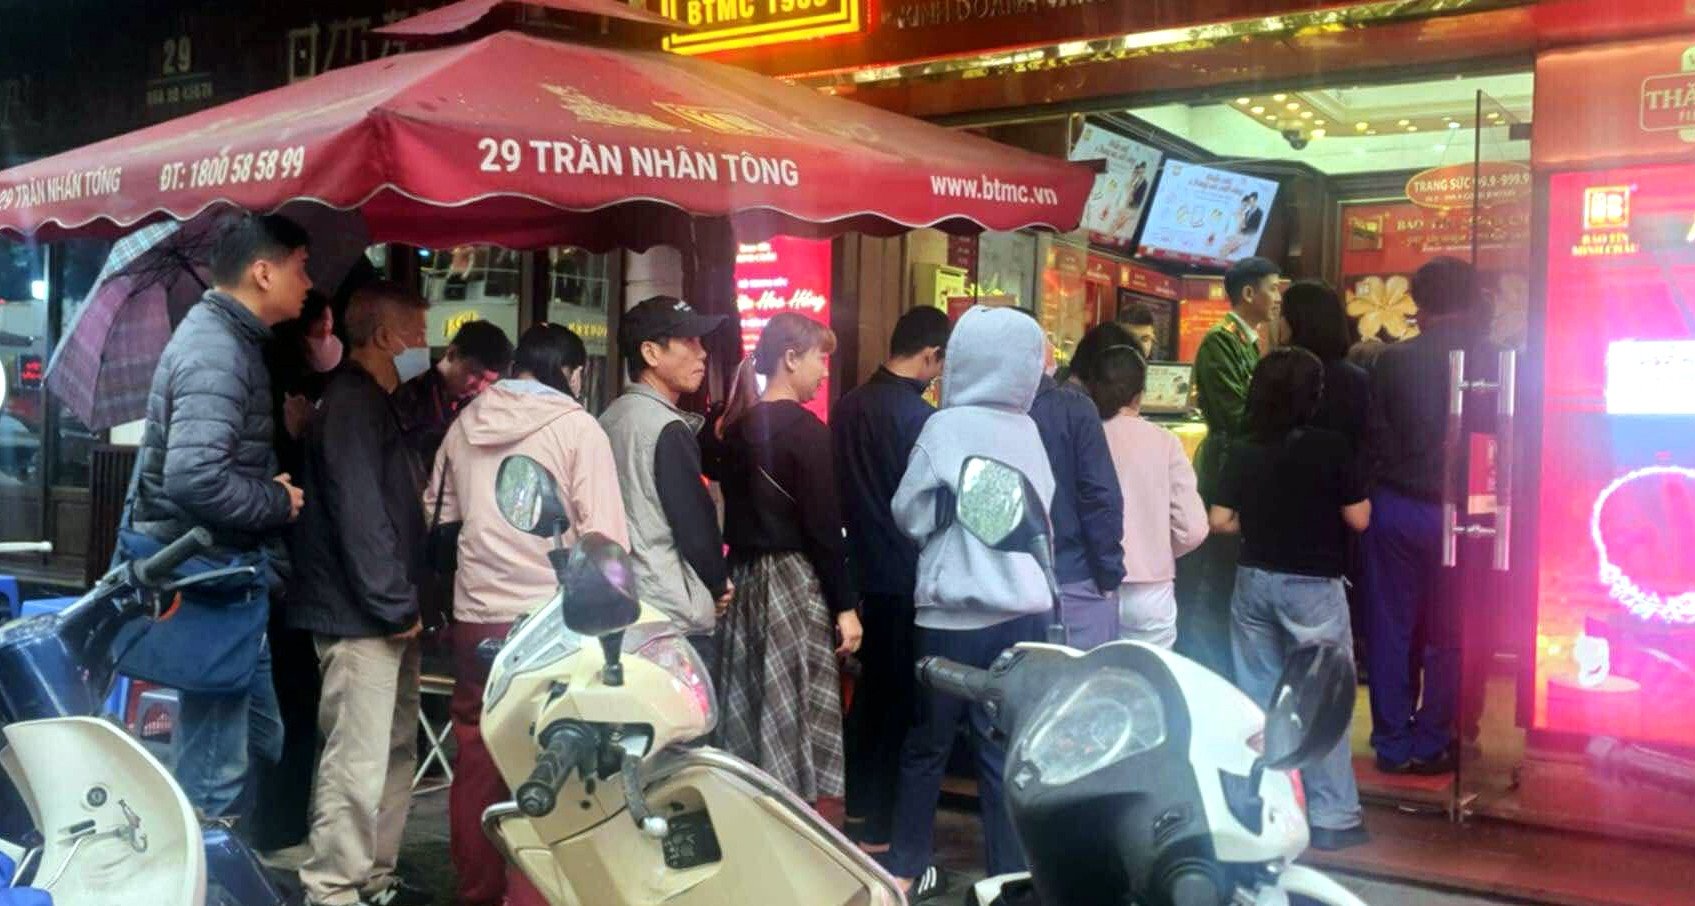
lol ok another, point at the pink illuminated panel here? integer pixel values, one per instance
(1616, 524)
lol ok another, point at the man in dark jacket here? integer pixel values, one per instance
(1401, 552)
(357, 551)
(875, 426)
(427, 403)
(207, 460)
(1088, 509)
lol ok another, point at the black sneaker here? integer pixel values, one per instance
(1331, 840)
(398, 893)
(932, 882)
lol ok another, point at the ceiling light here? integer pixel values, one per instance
(1371, 132)
(1271, 117)
(1412, 128)
(1362, 126)
(1306, 114)
(1244, 101)
(1405, 123)
(1318, 122)
(1257, 110)
(1447, 119)
(1280, 98)
(1292, 105)
(1319, 133)
(1453, 125)
(1494, 114)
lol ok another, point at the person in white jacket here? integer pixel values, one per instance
(972, 602)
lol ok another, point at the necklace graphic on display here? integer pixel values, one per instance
(1674, 607)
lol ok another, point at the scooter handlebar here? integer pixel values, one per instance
(953, 678)
(154, 569)
(564, 749)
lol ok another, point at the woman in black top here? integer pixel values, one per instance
(780, 691)
(1292, 490)
(1318, 324)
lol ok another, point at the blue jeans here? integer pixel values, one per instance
(1271, 613)
(1091, 618)
(218, 733)
(1401, 560)
(924, 755)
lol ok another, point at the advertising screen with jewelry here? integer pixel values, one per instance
(1615, 616)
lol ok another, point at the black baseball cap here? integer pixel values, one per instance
(664, 316)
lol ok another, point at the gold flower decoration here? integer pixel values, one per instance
(1383, 306)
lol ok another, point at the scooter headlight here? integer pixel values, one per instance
(1111, 716)
(676, 656)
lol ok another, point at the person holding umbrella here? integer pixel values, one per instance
(207, 460)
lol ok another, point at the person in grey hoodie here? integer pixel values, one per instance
(972, 602)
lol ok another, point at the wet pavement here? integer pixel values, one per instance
(425, 861)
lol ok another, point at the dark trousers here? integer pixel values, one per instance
(284, 790)
(484, 877)
(882, 710)
(1206, 579)
(924, 755)
(1402, 565)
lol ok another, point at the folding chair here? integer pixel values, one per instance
(437, 735)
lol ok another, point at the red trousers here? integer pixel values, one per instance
(484, 877)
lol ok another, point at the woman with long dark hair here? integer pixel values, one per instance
(1293, 491)
(779, 686)
(1318, 324)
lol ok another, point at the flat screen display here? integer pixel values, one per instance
(1615, 617)
(1167, 391)
(1206, 216)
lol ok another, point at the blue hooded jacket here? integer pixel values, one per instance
(1088, 507)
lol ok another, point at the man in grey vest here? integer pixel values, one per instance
(675, 540)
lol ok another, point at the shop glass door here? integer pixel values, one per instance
(1490, 739)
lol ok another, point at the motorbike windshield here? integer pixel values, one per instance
(1112, 715)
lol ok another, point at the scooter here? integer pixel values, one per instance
(110, 825)
(1134, 775)
(585, 706)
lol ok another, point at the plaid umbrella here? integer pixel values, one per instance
(103, 367)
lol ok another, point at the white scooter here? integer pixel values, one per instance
(108, 824)
(1134, 775)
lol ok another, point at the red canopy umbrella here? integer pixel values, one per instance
(527, 142)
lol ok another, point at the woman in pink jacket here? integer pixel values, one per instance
(1163, 515)
(504, 573)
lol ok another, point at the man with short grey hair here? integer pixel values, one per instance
(357, 552)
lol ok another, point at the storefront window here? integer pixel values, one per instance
(1006, 266)
(23, 355)
(579, 291)
(81, 261)
(470, 283)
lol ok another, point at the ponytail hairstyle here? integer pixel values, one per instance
(547, 352)
(786, 332)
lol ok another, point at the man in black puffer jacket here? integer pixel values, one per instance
(207, 460)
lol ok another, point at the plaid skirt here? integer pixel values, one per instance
(779, 692)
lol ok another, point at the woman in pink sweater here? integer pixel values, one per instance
(1163, 515)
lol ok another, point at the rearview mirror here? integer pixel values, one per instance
(1000, 507)
(1311, 706)
(528, 498)
(599, 584)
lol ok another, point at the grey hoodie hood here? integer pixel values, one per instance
(983, 345)
(994, 365)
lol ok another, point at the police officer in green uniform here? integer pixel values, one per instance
(1224, 365)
